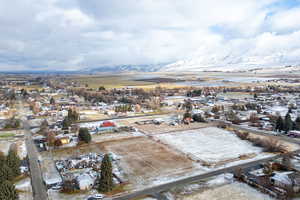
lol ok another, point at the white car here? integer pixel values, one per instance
(95, 197)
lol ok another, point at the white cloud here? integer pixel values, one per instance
(287, 20)
(66, 34)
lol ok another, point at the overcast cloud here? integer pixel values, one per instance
(76, 34)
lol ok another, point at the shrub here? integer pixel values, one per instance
(269, 145)
(243, 136)
(84, 135)
(198, 118)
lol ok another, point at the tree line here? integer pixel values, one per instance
(9, 171)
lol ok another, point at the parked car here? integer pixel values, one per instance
(57, 187)
(95, 197)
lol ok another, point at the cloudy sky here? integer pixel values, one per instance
(76, 34)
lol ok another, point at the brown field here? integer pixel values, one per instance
(110, 81)
(165, 128)
(143, 160)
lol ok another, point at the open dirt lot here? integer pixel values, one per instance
(143, 160)
(165, 128)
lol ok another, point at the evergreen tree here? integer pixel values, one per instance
(8, 191)
(52, 101)
(288, 123)
(13, 162)
(279, 124)
(198, 118)
(106, 180)
(66, 123)
(84, 135)
(72, 115)
(6, 174)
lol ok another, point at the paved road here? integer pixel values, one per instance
(184, 181)
(38, 186)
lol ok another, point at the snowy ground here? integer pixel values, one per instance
(55, 195)
(210, 145)
(24, 189)
(234, 191)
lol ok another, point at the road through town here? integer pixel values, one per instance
(38, 186)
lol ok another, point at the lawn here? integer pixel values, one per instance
(5, 135)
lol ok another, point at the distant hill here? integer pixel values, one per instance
(125, 68)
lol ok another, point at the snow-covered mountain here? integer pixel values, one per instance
(214, 61)
(228, 63)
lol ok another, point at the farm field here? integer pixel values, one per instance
(233, 191)
(211, 146)
(235, 95)
(109, 81)
(146, 161)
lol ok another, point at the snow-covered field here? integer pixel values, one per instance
(210, 145)
(234, 191)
